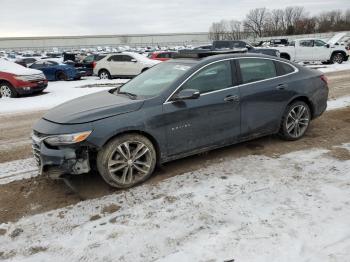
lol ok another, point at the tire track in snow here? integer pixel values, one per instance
(17, 170)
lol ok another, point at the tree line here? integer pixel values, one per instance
(293, 20)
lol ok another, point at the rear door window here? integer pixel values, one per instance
(306, 43)
(127, 58)
(115, 58)
(255, 69)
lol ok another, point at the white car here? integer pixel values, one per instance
(124, 64)
(315, 50)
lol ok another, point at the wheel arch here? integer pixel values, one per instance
(339, 51)
(142, 133)
(103, 69)
(307, 101)
(286, 55)
(4, 81)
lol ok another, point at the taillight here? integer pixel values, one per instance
(93, 64)
(324, 79)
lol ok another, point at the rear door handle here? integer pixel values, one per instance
(281, 86)
(231, 98)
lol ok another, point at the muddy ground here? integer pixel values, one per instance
(37, 195)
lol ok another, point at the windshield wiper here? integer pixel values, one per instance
(131, 95)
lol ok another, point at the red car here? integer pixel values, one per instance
(162, 56)
(17, 80)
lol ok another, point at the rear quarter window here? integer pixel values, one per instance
(283, 68)
(255, 69)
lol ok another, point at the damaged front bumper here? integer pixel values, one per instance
(55, 162)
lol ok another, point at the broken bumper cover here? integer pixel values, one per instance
(59, 161)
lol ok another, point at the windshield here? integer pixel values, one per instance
(155, 80)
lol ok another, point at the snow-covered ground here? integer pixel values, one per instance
(17, 170)
(340, 102)
(57, 93)
(332, 67)
(290, 208)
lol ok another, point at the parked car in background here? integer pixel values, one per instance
(26, 61)
(203, 47)
(178, 108)
(162, 55)
(55, 71)
(17, 80)
(314, 50)
(242, 46)
(125, 64)
(90, 61)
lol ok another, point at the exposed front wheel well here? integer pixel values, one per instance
(144, 69)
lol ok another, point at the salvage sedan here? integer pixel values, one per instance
(176, 109)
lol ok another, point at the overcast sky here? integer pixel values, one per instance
(84, 17)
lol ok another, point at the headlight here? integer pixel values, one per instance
(67, 139)
(27, 78)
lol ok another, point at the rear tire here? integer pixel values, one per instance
(126, 160)
(337, 58)
(104, 74)
(295, 121)
(7, 90)
(61, 76)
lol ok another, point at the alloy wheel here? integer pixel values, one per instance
(5, 91)
(130, 162)
(338, 58)
(104, 75)
(298, 120)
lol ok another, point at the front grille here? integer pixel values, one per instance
(36, 153)
(36, 140)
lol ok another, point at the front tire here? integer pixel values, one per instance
(295, 121)
(337, 58)
(6, 90)
(126, 160)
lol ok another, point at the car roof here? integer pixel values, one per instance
(303, 39)
(214, 58)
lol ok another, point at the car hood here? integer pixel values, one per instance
(91, 108)
(13, 68)
(336, 38)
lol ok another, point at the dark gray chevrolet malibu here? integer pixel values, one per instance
(176, 109)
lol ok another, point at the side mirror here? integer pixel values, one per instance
(327, 45)
(186, 94)
(134, 60)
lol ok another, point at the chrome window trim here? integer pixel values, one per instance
(296, 70)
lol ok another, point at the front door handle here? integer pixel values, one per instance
(281, 86)
(231, 98)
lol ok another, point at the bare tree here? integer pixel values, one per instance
(277, 21)
(218, 31)
(291, 20)
(234, 29)
(255, 20)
